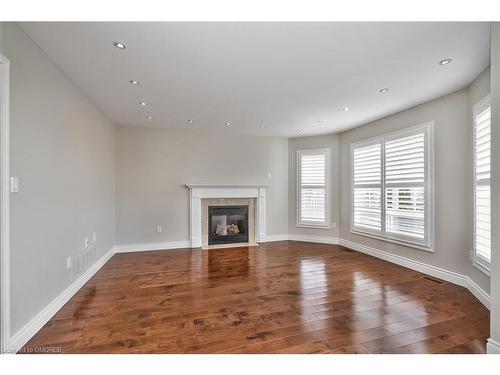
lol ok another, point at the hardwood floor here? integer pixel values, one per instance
(281, 297)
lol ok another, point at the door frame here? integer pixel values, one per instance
(4, 205)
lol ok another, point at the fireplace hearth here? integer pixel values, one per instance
(227, 224)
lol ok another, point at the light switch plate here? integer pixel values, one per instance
(14, 184)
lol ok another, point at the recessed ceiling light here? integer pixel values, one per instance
(143, 104)
(134, 82)
(345, 109)
(228, 124)
(384, 90)
(445, 61)
(149, 117)
(119, 45)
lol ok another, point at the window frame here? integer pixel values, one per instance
(427, 244)
(478, 261)
(328, 218)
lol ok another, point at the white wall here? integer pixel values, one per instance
(494, 344)
(453, 179)
(153, 165)
(330, 141)
(62, 150)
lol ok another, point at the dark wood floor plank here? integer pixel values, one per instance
(281, 297)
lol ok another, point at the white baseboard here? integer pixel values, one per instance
(316, 239)
(32, 327)
(274, 237)
(492, 346)
(151, 246)
(428, 269)
(301, 237)
(479, 293)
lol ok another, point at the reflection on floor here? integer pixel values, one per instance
(281, 297)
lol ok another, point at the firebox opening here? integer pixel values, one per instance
(227, 224)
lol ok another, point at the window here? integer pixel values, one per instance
(392, 187)
(313, 188)
(482, 184)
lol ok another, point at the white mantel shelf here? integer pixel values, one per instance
(197, 192)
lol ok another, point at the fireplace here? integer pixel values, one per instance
(227, 224)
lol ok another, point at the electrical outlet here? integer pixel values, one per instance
(68, 263)
(159, 229)
(86, 243)
(14, 184)
(269, 174)
(94, 236)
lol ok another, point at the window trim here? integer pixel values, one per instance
(428, 243)
(328, 204)
(478, 261)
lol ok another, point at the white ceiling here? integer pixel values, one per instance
(292, 78)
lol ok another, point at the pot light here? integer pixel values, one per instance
(228, 124)
(119, 45)
(149, 117)
(133, 82)
(384, 90)
(445, 62)
(345, 109)
(143, 104)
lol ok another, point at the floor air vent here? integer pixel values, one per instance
(437, 281)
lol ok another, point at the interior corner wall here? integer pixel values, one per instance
(494, 345)
(331, 142)
(62, 150)
(453, 180)
(154, 164)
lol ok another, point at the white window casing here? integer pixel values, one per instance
(392, 187)
(482, 184)
(313, 188)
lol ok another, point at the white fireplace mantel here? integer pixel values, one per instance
(197, 192)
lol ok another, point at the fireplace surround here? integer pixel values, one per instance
(203, 195)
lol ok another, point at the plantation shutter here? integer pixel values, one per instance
(482, 181)
(405, 185)
(392, 186)
(367, 187)
(313, 189)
